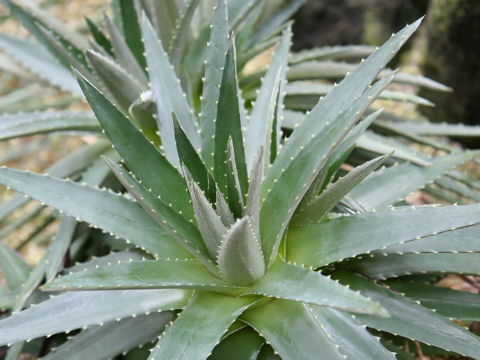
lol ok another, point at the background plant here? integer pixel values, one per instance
(342, 106)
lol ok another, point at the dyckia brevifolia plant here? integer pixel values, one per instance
(112, 58)
(244, 243)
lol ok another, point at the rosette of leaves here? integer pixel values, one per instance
(115, 64)
(248, 245)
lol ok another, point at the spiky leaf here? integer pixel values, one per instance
(454, 304)
(326, 201)
(111, 212)
(376, 191)
(252, 209)
(123, 54)
(395, 265)
(123, 86)
(180, 34)
(146, 274)
(83, 308)
(182, 340)
(131, 30)
(228, 126)
(14, 268)
(240, 257)
(189, 157)
(209, 223)
(217, 49)
(243, 344)
(282, 195)
(260, 125)
(100, 342)
(352, 337)
(139, 153)
(38, 60)
(26, 124)
(412, 320)
(168, 95)
(295, 335)
(326, 242)
(292, 282)
(174, 223)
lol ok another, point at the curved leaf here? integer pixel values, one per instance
(379, 144)
(109, 211)
(182, 340)
(413, 321)
(43, 16)
(66, 166)
(454, 304)
(129, 52)
(209, 223)
(217, 49)
(168, 95)
(433, 129)
(83, 308)
(292, 331)
(353, 339)
(123, 87)
(243, 344)
(341, 98)
(292, 282)
(332, 52)
(259, 127)
(377, 192)
(38, 60)
(240, 257)
(146, 274)
(139, 153)
(305, 95)
(185, 232)
(334, 70)
(14, 268)
(106, 341)
(61, 47)
(347, 236)
(282, 195)
(26, 124)
(395, 265)
(228, 127)
(329, 198)
(460, 240)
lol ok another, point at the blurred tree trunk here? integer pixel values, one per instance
(452, 57)
(341, 22)
(321, 22)
(452, 53)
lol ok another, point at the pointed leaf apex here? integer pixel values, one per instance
(240, 257)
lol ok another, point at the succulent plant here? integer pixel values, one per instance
(114, 61)
(239, 242)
